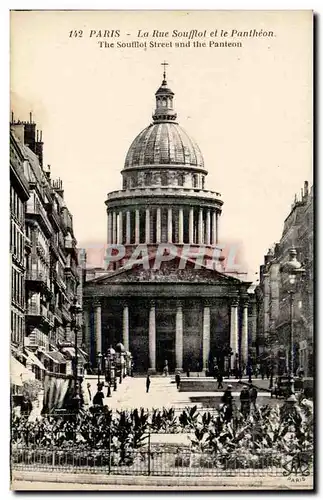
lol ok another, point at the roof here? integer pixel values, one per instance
(164, 144)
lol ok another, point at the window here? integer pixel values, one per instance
(164, 179)
(181, 179)
(195, 181)
(148, 178)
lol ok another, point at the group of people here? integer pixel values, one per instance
(248, 399)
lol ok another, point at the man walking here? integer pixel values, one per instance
(253, 396)
(147, 383)
(89, 392)
(227, 400)
(220, 380)
(177, 380)
(245, 401)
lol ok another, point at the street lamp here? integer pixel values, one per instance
(293, 269)
(75, 310)
(99, 357)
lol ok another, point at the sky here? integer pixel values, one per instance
(248, 108)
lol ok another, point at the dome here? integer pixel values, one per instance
(164, 143)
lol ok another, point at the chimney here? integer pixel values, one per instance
(39, 147)
(306, 189)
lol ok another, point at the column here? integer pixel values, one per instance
(125, 327)
(120, 229)
(147, 226)
(87, 331)
(152, 337)
(180, 226)
(158, 225)
(206, 335)
(109, 228)
(137, 227)
(200, 227)
(191, 226)
(217, 229)
(234, 340)
(244, 333)
(128, 228)
(114, 227)
(179, 337)
(208, 228)
(214, 223)
(98, 328)
(170, 226)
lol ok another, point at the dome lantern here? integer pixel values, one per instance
(164, 111)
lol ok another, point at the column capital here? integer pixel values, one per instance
(234, 302)
(152, 303)
(244, 301)
(124, 303)
(207, 302)
(97, 303)
(179, 303)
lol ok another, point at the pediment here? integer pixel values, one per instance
(177, 270)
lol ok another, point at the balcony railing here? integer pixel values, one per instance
(34, 310)
(34, 275)
(164, 191)
(34, 208)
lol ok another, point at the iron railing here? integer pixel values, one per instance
(154, 461)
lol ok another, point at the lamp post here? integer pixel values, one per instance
(99, 357)
(75, 310)
(293, 269)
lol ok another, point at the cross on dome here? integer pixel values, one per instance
(164, 64)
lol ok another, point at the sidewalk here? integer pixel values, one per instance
(29, 480)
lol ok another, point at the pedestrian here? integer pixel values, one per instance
(227, 400)
(98, 398)
(253, 396)
(262, 371)
(177, 380)
(89, 391)
(188, 371)
(198, 368)
(147, 383)
(220, 380)
(245, 401)
(166, 368)
(26, 406)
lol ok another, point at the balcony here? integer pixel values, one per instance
(34, 310)
(66, 312)
(54, 247)
(53, 215)
(165, 191)
(36, 276)
(35, 209)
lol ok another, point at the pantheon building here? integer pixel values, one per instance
(177, 310)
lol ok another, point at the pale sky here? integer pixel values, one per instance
(249, 109)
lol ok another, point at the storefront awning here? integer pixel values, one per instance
(49, 356)
(71, 352)
(57, 357)
(19, 373)
(34, 360)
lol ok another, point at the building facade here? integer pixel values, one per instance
(166, 296)
(272, 292)
(45, 273)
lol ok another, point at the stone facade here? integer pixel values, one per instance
(272, 292)
(180, 312)
(45, 272)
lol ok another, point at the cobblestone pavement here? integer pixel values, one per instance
(162, 393)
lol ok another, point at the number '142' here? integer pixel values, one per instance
(76, 34)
